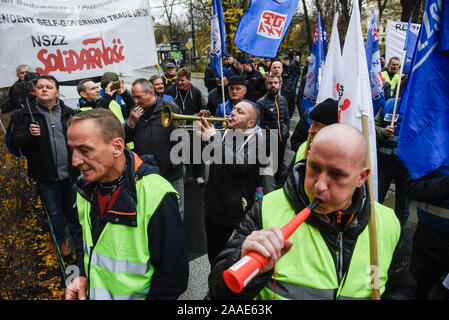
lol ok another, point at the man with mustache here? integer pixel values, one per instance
(328, 256)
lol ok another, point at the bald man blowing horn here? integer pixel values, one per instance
(327, 257)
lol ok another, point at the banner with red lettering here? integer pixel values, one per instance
(75, 39)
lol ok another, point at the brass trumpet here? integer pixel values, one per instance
(168, 116)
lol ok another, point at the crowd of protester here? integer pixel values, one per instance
(106, 170)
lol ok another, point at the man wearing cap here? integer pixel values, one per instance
(251, 76)
(119, 101)
(237, 67)
(324, 114)
(237, 91)
(170, 75)
(228, 63)
(264, 66)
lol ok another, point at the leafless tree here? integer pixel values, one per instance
(168, 11)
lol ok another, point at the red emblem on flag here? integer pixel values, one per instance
(271, 24)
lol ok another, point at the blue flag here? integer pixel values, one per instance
(409, 45)
(374, 68)
(316, 61)
(263, 26)
(217, 37)
(423, 144)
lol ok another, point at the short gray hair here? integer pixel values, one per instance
(146, 84)
(20, 66)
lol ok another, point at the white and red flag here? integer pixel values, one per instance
(356, 100)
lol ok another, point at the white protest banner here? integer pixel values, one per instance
(394, 43)
(75, 39)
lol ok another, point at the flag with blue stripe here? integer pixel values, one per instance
(217, 37)
(316, 63)
(374, 68)
(411, 38)
(423, 144)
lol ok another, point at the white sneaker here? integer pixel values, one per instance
(200, 181)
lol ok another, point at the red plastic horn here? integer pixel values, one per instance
(244, 270)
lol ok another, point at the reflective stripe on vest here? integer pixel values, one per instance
(310, 267)
(104, 294)
(388, 151)
(118, 266)
(84, 109)
(434, 210)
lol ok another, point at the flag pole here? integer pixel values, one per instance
(374, 258)
(3, 127)
(306, 150)
(222, 88)
(309, 137)
(398, 86)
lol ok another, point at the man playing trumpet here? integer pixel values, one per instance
(231, 186)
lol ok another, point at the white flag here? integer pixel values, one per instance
(356, 98)
(330, 74)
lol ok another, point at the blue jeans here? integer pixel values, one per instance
(59, 199)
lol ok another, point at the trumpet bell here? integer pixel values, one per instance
(167, 117)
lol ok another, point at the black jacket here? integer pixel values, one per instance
(399, 279)
(269, 116)
(38, 151)
(229, 183)
(210, 81)
(215, 97)
(151, 137)
(16, 97)
(166, 238)
(253, 90)
(189, 101)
